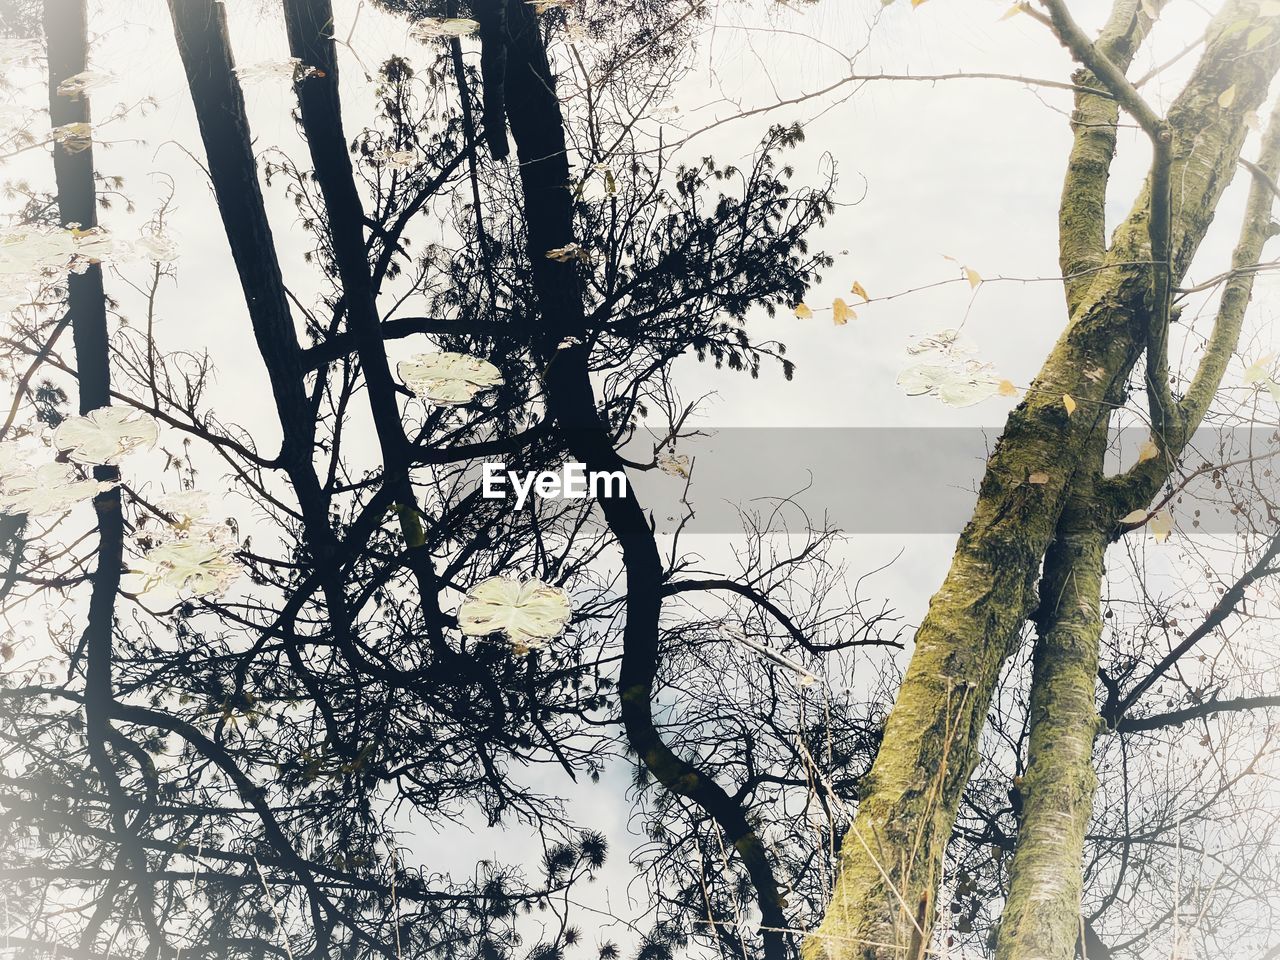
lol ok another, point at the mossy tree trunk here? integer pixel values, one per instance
(1041, 920)
(882, 904)
(1042, 914)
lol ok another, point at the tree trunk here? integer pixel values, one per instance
(537, 126)
(1041, 918)
(66, 35)
(882, 902)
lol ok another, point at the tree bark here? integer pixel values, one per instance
(882, 902)
(66, 35)
(1081, 212)
(1041, 919)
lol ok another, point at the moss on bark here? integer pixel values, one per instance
(881, 904)
(1041, 919)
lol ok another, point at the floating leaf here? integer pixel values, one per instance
(434, 28)
(953, 385)
(1013, 11)
(15, 51)
(569, 252)
(42, 490)
(448, 379)
(156, 247)
(1227, 97)
(1257, 35)
(290, 68)
(191, 566)
(1136, 516)
(803, 311)
(1259, 370)
(1148, 451)
(973, 276)
(82, 82)
(944, 341)
(94, 245)
(923, 378)
(1039, 478)
(1007, 389)
(30, 252)
(859, 290)
(674, 464)
(528, 613)
(106, 435)
(396, 158)
(1069, 402)
(950, 372)
(965, 393)
(841, 312)
(186, 507)
(73, 137)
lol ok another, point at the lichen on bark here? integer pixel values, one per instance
(1041, 917)
(882, 901)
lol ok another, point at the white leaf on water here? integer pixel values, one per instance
(84, 81)
(528, 613)
(189, 566)
(448, 379)
(106, 435)
(42, 490)
(291, 69)
(396, 158)
(435, 28)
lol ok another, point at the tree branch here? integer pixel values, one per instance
(1164, 414)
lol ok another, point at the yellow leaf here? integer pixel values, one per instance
(1137, 516)
(1228, 97)
(1257, 371)
(860, 291)
(1069, 402)
(1161, 525)
(916, 3)
(841, 312)
(1273, 388)
(803, 311)
(973, 276)
(1007, 389)
(1257, 35)
(1013, 11)
(1038, 478)
(1148, 451)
